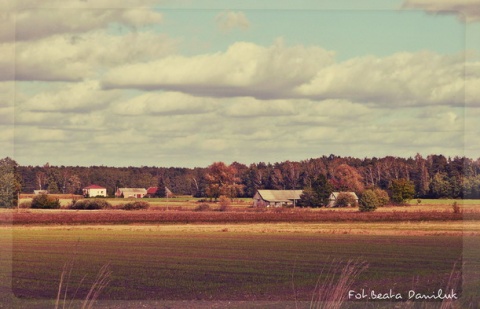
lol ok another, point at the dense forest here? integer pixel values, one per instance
(434, 176)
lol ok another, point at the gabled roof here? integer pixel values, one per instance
(152, 190)
(280, 195)
(334, 195)
(94, 187)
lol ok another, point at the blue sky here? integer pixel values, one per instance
(187, 83)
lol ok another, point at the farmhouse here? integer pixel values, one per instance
(332, 199)
(276, 197)
(94, 190)
(131, 192)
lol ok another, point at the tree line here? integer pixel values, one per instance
(434, 176)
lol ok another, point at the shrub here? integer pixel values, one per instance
(344, 200)
(43, 201)
(224, 203)
(202, 207)
(368, 201)
(402, 190)
(25, 204)
(382, 197)
(90, 204)
(139, 205)
(456, 208)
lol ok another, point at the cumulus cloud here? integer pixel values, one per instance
(72, 21)
(251, 108)
(76, 97)
(244, 69)
(403, 79)
(165, 103)
(466, 10)
(227, 21)
(76, 57)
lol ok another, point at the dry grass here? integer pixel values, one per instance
(101, 281)
(331, 290)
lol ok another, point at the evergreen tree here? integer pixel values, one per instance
(161, 191)
(318, 193)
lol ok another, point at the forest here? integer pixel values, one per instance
(434, 176)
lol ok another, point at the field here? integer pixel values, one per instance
(235, 259)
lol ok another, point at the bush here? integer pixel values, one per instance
(202, 207)
(136, 206)
(456, 208)
(368, 201)
(43, 201)
(345, 199)
(224, 203)
(382, 197)
(90, 204)
(25, 204)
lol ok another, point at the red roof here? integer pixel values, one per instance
(152, 190)
(94, 187)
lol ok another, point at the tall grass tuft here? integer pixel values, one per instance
(101, 281)
(331, 289)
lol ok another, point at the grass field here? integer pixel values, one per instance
(243, 262)
(242, 258)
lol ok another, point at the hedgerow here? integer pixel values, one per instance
(89, 204)
(139, 205)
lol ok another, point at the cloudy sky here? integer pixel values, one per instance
(187, 83)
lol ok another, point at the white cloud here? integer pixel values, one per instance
(77, 57)
(402, 79)
(166, 103)
(245, 69)
(227, 21)
(252, 108)
(73, 21)
(466, 10)
(76, 97)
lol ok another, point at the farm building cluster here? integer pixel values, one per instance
(99, 191)
(278, 198)
(262, 198)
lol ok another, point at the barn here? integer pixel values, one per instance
(131, 192)
(276, 198)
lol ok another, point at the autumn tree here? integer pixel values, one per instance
(222, 180)
(347, 178)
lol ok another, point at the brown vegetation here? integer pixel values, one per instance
(286, 215)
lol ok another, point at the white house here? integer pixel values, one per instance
(94, 190)
(276, 197)
(332, 199)
(131, 192)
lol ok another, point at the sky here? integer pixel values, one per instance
(188, 83)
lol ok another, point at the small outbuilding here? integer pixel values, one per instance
(36, 192)
(131, 192)
(332, 199)
(276, 198)
(94, 190)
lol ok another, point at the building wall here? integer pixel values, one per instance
(97, 192)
